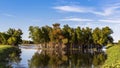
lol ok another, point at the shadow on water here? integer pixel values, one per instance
(66, 59)
(10, 57)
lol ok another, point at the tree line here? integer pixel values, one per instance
(11, 37)
(57, 37)
(68, 37)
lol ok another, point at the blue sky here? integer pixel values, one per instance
(92, 13)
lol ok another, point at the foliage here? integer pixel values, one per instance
(113, 60)
(11, 37)
(74, 37)
(39, 35)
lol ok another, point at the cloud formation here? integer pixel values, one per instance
(106, 11)
(110, 21)
(77, 20)
(8, 15)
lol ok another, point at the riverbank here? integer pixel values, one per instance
(113, 59)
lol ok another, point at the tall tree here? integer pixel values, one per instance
(56, 34)
(45, 31)
(71, 37)
(11, 37)
(36, 34)
(3, 38)
(15, 36)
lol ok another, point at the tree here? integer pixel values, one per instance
(56, 35)
(66, 34)
(70, 37)
(84, 38)
(45, 31)
(36, 34)
(11, 37)
(106, 31)
(3, 38)
(87, 37)
(12, 40)
(96, 35)
(79, 35)
(14, 36)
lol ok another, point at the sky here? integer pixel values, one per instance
(84, 13)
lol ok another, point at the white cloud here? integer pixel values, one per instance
(77, 20)
(108, 10)
(8, 15)
(110, 20)
(104, 11)
(108, 15)
(73, 9)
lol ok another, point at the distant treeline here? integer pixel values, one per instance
(56, 37)
(27, 42)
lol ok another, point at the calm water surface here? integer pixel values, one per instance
(33, 58)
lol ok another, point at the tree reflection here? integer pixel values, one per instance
(11, 56)
(39, 60)
(66, 59)
(99, 59)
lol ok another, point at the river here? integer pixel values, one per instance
(34, 58)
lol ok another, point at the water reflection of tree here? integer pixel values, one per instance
(66, 59)
(99, 59)
(10, 57)
(39, 60)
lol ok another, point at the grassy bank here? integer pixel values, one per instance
(113, 59)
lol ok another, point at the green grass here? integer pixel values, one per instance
(113, 57)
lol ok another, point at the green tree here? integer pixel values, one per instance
(45, 31)
(36, 34)
(14, 36)
(96, 35)
(3, 38)
(106, 32)
(84, 38)
(66, 34)
(11, 37)
(56, 35)
(12, 40)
